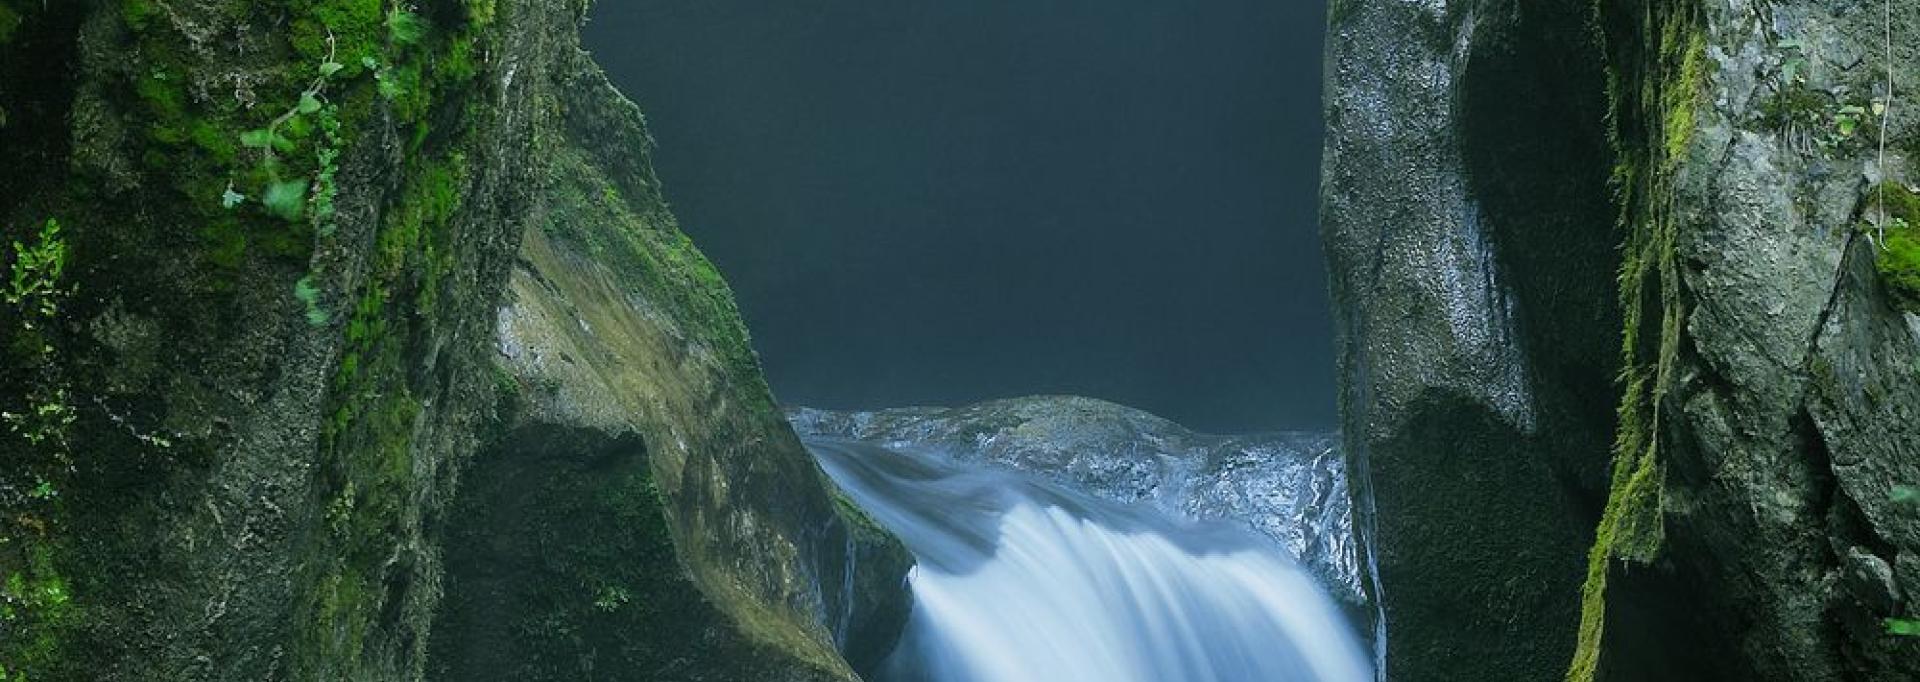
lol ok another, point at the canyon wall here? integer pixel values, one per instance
(354, 340)
(1700, 211)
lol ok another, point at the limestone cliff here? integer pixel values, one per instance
(349, 339)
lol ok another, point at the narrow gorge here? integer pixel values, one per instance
(360, 340)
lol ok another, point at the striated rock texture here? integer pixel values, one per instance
(1288, 486)
(351, 339)
(1472, 253)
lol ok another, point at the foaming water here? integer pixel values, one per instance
(1019, 580)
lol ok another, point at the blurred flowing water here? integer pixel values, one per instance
(1022, 580)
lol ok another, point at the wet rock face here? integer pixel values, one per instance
(1768, 368)
(1471, 250)
(1794, 408)
(644, 512)
(1290, 487)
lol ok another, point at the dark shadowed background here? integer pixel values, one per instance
(940, 201)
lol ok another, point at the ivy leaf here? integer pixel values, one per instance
(1905, 494)
(1903, 626)
(330, 68)
(230, 198)
(308, 103)
(1791, 69)
(286, 199)
(257, 139)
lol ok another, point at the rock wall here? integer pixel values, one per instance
(318, 264)
(1770, 369)
(1471, 251)
(1490, 166)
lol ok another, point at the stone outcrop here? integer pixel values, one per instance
(372, 353)
(1471, 248)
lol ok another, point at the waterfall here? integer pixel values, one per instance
(1022, 580)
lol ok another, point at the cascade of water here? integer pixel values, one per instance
(1020, 580)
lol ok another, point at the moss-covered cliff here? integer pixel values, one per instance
(1750, 525)
(1771, 370)
(317, 263)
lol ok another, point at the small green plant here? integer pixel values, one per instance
(38, 417)
(1904, 627)
(405, 27)
(1896, 208)
(286, 197)
(611, 598)
(310, 296)
(1812, 119)
(33, 294)
(1848, 118)
(328, 158)
(35, 283)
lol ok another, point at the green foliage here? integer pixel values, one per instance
(36, 270)
(305, 292)
(327, 157)
(612, 598)
(1816, 119)
(34, 455)
(1898, 258)
(340, 31)
(33, 294)
(404, 27)
(286, 198)
(9, 22)
(1657, 76)
(36, 609)
(1905, 627)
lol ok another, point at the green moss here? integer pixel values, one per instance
(36, 611)
(1657, 74)
(36, 417)
(9, 22)
(1681, 96)
(657, 261)
(356, 27)
(375, 402)
(1898, 258)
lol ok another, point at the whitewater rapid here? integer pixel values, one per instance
(1019, 580)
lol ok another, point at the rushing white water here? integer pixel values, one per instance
(1019, 580)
